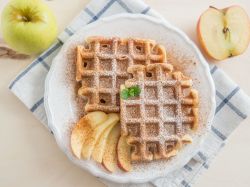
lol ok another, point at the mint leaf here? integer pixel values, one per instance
(137, 90)
(130, 92)
(125, 93)
(134, 91)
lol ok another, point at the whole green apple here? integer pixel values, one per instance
(28, 26)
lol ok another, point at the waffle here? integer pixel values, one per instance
(101, 67)
(158, 121)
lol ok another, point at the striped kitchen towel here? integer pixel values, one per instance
(233, 105)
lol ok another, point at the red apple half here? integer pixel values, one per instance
(225, 32)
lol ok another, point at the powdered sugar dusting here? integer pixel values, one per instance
(180, 52)
(102, 67)
(154, 141)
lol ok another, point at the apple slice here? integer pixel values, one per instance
(225, 32)
(82, 128)
(109, 160)
(100, 145)
(123, 154)
(92, 137)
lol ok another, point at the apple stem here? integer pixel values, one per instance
(25, 19)
(213, 7)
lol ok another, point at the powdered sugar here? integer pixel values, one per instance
(181, 53)
(101, 67)
(154, 141)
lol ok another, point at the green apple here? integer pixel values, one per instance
(28, 26)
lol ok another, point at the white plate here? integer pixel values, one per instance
(63, 110)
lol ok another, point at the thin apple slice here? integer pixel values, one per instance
(123, 154)
(92, 138)
(82, 128)
(109, 160)
(100, 145)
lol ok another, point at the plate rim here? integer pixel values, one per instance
(161, 22)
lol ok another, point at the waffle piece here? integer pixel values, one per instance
(158, 120)
(101, 67)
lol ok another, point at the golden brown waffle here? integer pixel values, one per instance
(157, 121)
(102, 64)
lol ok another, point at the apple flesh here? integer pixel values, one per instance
(92, 137)
(83, 128)
(225, 32)
(100, 146)
(28, 26)
(123, 154)
(110, 155)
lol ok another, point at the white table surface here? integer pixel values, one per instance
(29, 155)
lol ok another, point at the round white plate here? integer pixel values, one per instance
(62, 107)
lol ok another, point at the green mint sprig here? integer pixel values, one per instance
(130, 92)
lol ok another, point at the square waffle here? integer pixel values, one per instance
(101, 67)
(157, 121)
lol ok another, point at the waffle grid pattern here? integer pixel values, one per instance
(102, 67)
(153, 131)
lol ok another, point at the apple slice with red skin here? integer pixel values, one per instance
(109, 160)
(224, 33)
(123, 154)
